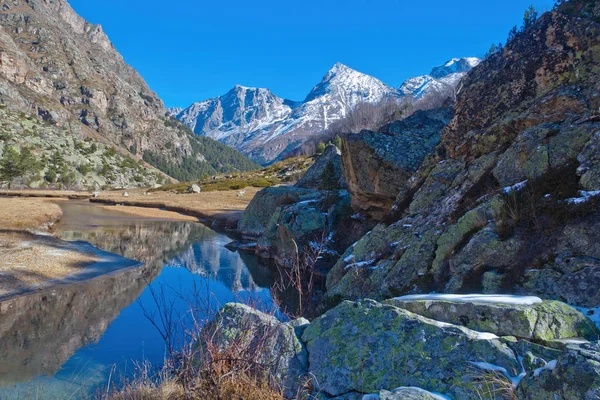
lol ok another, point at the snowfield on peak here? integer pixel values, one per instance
(264, 126)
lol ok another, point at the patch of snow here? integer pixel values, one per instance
(407, 225)
(515, 187)
(473, 334)
(475, 298)
(349, 259)
(584, 196)
(491, 367)
(360, 264)
(306, 202)
(435, 395)
(548, 367)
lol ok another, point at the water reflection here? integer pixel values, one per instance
(65, 342)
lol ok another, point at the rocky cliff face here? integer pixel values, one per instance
(509, 202)
(64, 70)
(264, 126)
(377, 165)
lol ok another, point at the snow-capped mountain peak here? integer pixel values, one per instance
(265, 126)
(343, 80)
(455, 65)
(442, 79)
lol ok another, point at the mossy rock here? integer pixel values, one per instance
(539, 320)
(366, 346)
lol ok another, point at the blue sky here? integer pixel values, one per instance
(190, 50)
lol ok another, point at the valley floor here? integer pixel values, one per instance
(30, 258)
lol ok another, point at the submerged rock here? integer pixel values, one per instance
(523, 317)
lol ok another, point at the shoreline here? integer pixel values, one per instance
(32, 258)
(228, 221)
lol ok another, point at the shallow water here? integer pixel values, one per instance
(72, 341)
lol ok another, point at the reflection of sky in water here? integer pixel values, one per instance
(201, 265)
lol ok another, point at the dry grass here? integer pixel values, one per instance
(28, 261)
(27, 213)
(233, 387)
(156, 213)
(214, 363)
(225, 206)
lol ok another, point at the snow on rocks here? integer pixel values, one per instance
(550, 366)
(583, 197)
(516, 187)
(475, 298)
(526, 317)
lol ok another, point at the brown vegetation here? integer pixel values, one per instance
(27, 214)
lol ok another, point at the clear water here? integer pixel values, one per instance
(72, 341)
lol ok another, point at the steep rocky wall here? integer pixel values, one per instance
(508, 203)
(376, 165)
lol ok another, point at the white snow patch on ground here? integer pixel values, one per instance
(360, 264)
(591, 313)
(515, 187)
(475, 298)
(477, 335)
(491, 367)
(548, 367)
(584, 196)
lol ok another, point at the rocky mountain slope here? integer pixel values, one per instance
(56, 66)
(264, 126)
(509, 200)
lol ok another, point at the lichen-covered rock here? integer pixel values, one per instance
(256, 217)
(574, 376)
(523, 317)
(365, 346)
(377, 164)
(408, 393)
(313, 178)
(273, 346)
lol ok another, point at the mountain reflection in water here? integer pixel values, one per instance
(65, 341)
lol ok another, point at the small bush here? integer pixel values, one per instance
(110, 152)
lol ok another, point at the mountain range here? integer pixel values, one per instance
(264, 126)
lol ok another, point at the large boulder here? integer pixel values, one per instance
(272, 347)
(257, 215)
(574, 376)
(194, 188)
(377, 164)
(519, 316)
(314, 178)
(366, 346)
